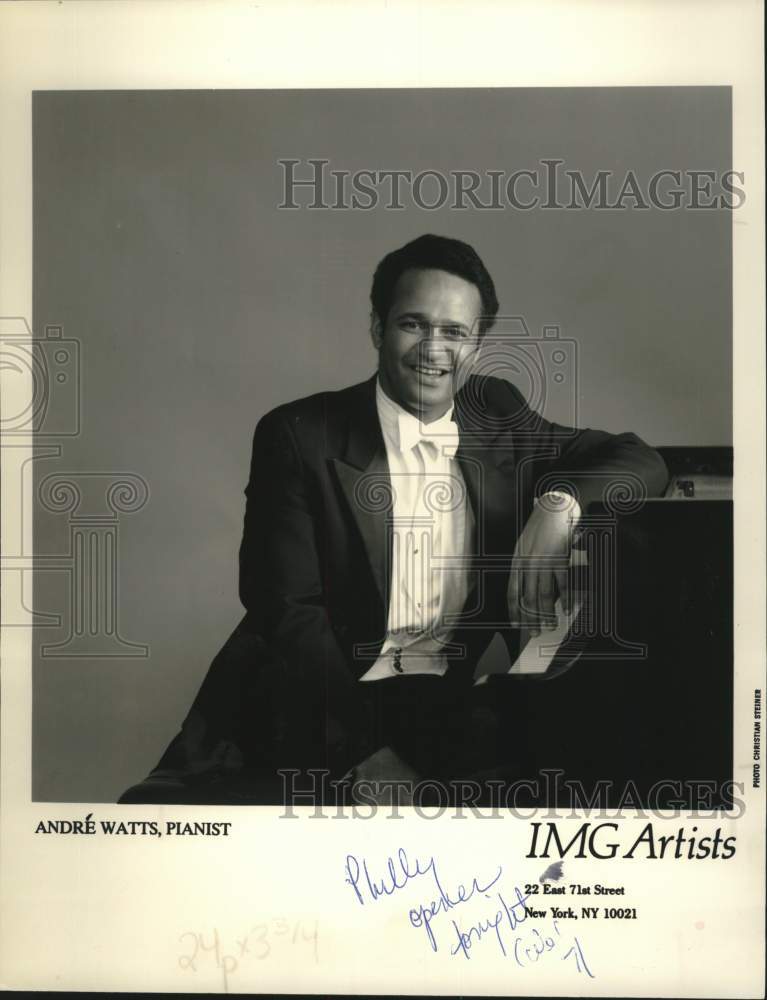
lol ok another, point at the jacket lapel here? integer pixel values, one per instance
(363, 473)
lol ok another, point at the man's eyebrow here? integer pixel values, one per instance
(440, 322)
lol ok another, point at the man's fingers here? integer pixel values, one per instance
(530, 602)
(513, 594)
(546, 599)
(522, 597)
(540, 573)
(532, 595)
(521, 603)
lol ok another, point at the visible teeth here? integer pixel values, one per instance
(428, 371)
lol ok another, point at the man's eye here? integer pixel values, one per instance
(410, 324)
(454, 332)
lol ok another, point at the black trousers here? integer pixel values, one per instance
(249, 725)
(442, 727)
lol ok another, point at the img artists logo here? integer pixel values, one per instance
(598, 840)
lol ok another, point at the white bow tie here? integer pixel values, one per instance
(443, 434)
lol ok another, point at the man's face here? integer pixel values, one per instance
(428, 340)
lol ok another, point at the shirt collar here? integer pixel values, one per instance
(404, 431)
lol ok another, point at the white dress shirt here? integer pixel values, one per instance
(432, 530)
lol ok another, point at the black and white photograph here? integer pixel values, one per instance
(381, 458)
(491, 393)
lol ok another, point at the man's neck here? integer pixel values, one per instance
(425, 416)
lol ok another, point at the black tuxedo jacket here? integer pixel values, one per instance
(284, 691)
(315, 552)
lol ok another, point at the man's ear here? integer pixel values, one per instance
(473, 357)
(468, 361)
(376, 330)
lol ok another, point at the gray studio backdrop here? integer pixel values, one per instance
(197, 305)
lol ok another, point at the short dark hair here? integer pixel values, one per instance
(438, 253)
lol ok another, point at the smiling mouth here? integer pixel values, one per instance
(431, 371)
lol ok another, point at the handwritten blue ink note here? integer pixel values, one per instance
(402, 877)
(396, 877)
(506, 918)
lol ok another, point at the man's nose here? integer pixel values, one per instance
(434, 332)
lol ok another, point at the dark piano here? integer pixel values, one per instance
(650, 698)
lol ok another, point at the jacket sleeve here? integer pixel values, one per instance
(591, 464)
(281, 578)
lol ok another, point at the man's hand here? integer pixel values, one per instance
(540, 567)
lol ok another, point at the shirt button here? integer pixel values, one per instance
(398, 661)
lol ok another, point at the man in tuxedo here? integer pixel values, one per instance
(391, 530)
